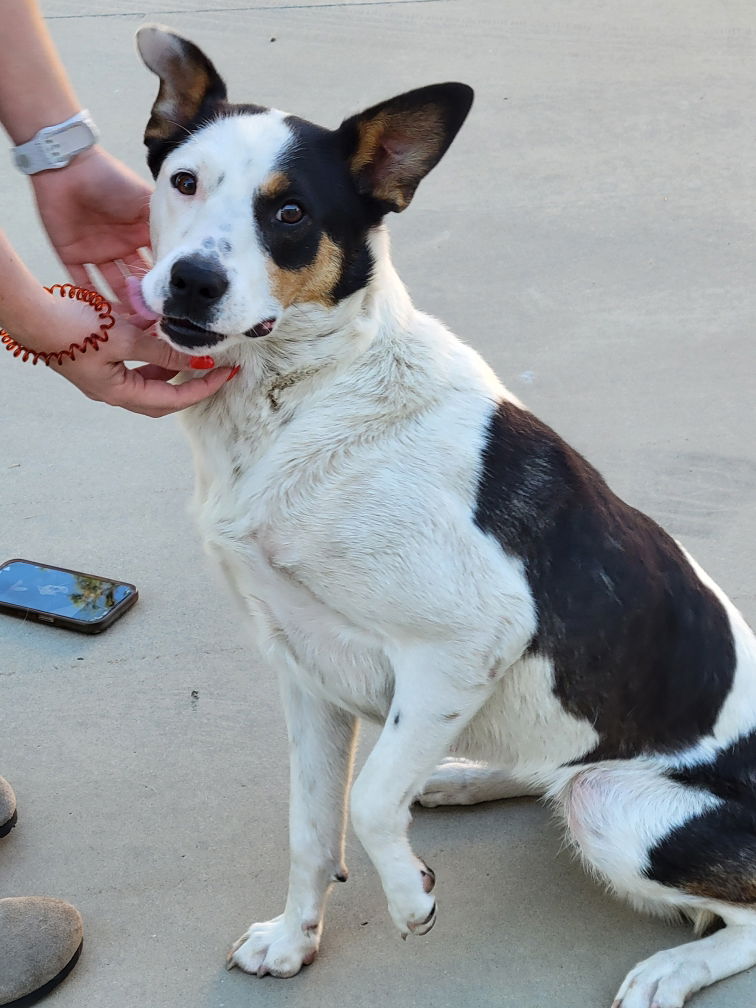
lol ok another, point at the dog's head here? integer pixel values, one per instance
(258, 214)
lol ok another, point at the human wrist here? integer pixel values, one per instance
(51, 323)
(68, 173)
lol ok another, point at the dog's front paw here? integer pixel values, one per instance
(414, 910)
(276, 948)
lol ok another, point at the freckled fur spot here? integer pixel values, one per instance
(313, 283)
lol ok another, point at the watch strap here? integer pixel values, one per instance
(55, 146)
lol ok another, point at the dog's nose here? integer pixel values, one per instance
(197, 284)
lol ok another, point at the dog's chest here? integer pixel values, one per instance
(267, 515)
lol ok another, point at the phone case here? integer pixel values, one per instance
(67, 622)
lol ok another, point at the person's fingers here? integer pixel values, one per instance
(150, 348)
(138, 262)
(152, 372)
(138, 321)
(115, 278)
(79, 275)
(95, 281)
(92, 279)
(157, 398)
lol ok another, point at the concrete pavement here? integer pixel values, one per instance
(592, 232)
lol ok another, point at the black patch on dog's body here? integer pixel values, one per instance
(714, 854)
(641, 648)
(731, 775)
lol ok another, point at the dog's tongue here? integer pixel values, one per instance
(138, 304)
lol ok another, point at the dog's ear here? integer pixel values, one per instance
(190, 89)
(392, 146)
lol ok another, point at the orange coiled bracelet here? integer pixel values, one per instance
(100, 305)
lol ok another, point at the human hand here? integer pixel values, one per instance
(96, 213)
(102, 374)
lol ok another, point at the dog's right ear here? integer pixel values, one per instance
(191, 90)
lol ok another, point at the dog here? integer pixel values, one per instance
(410, 545)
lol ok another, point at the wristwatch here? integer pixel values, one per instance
(54, 146)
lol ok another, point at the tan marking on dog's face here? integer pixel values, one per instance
(313, 283)
(274, 185)
(394, 151)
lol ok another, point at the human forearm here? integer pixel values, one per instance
(25, 307)
(34, 89)
(95, 210)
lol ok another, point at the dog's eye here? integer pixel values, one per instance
(290, 213)
(185, 182)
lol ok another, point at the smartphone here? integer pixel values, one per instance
(61, 597)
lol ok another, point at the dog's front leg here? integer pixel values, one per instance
(435, 697)
(321, 742)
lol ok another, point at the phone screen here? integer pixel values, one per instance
(63, 593)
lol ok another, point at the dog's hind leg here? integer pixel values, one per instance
(321, 741)
(670, 847)
(457, 781)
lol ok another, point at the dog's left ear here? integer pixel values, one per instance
(392, 146)
(190, 92)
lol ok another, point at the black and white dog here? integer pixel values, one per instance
(411, 545)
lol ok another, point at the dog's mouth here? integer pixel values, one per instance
(183, 330)
(261, 329)
(189, 334)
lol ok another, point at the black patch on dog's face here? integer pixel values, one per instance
(328, 249)
(641, 648)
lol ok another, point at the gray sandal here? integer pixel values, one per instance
(8, 814)
(40, 943)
